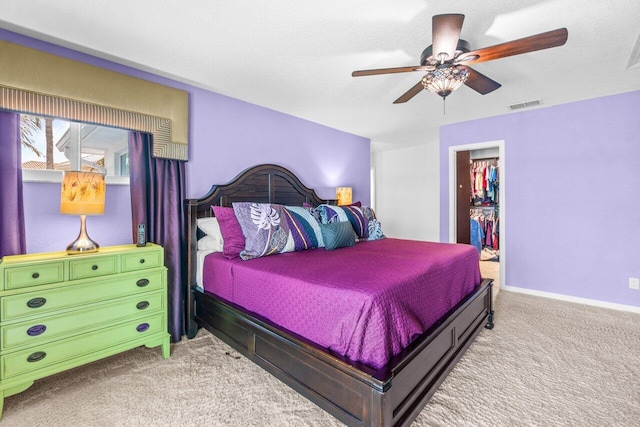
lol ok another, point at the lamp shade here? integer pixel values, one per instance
(82, 193)
(343, 194)
(445, 79)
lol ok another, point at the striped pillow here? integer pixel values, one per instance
(362, 219)
(273, 229)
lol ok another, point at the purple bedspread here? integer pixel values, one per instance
(366, 302)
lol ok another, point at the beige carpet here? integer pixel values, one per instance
(546, 363)
(491, 270)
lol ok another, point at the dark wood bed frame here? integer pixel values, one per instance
(355, 394)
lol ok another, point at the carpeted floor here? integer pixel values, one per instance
(546, 363)
(491, 270)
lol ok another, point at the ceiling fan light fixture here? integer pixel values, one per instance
(444, 80)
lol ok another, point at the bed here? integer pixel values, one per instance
(356, 390)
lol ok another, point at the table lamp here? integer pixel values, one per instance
(343, 194)
(82, 194)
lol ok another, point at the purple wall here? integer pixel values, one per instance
(226, 136)
(48, 230)
(573, 211)
(232, 135)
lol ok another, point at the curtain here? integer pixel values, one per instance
(12, 230)
(157, 196)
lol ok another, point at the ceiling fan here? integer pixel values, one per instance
(447, 60)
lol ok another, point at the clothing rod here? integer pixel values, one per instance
(485, 159)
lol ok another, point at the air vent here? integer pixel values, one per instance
(525, 104)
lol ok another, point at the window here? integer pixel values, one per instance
(124, 164)
(50, 146)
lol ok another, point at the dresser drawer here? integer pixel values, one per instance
(64, 351)
(57, 326)
(74, 297)
(92, 267)
(141, 259)
(32, 275)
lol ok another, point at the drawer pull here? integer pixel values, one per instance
(142, 327)
(142, 283)
(94, 267)
(141, 260)
(142, 305)
(36, 302)
(37, 356)
(36, 330)
(35, 275)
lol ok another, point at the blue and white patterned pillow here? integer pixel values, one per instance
(362, 219)
(272, 229)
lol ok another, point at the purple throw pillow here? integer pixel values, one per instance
(231, 231)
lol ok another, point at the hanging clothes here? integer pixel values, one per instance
(485, 194)
(489, 234)
(484, 182)
(484, 227)
(477, 235)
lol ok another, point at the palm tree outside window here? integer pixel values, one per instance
(50, 144)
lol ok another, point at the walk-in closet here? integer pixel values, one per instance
(484, 209)
(478, 206)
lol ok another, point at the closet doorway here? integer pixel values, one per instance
(477, 204)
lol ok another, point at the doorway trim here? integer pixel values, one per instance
(502, 196)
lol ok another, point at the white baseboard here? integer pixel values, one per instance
(586, 301)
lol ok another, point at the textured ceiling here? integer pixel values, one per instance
(297, 56)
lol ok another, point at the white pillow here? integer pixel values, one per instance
(213, 240)
(208, 243)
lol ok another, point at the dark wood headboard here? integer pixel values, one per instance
(262, 184)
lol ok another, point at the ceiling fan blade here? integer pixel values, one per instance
(479, 82)
(445, 34)
(516, 47)
(410, 93)
(393, 70)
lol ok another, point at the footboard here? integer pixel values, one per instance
(417, 375)
(354, 394)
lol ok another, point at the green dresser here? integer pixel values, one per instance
(59, 311)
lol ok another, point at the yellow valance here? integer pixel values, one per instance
(36, 82)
